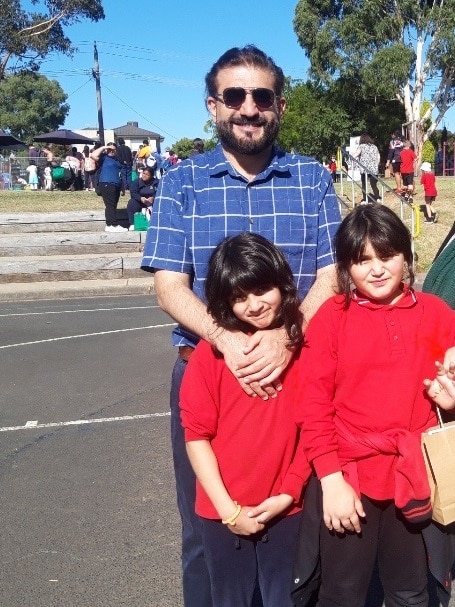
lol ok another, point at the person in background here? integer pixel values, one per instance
(428, 180)
(368, 155)
(245, 184)
(143, 153)
(32, 171)
(48, 177)
(394, 159)
(198, 147)
(89, 169)
(110, 184)
(142, 193)
(249, 287)
(408, 158)
(333, 169)
(125, 157)
(365, 450)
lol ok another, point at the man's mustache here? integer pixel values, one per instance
(248, 121)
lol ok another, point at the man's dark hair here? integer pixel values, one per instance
(121, 141)
(249, 55)
(145, 141)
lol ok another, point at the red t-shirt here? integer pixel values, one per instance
(365, 365)
(255, 441)
(428, 180)
(407, 160)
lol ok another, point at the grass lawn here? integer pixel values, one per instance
(427, 242)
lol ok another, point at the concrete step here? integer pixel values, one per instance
(69, 221)
(69, 243)
(76, 288)
(45, 268)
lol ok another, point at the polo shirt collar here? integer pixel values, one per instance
(408, 300)
(220, 165)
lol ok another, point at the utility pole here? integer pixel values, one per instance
(96, 76)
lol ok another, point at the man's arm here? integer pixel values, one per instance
(323, 287)
(175, 297)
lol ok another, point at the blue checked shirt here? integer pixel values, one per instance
(204, 199)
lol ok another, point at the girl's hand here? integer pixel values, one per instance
(271, 507)
(341, 505)
(244, 525)
(442, 388)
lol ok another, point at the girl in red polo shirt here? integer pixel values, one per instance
(363, 408)
(250, 473)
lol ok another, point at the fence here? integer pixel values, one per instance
(14, 175)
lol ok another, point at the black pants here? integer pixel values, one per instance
(374, 187)
(110, 193)
(347, 561)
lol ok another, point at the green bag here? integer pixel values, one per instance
(141, 222)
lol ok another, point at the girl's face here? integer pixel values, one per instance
(258, 308)
(379, 278)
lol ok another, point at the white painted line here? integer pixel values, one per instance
(43, 341)
(79, 422)
(76, 311)
(31, 424)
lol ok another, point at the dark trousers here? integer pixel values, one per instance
(374, 187)
(110, 194)
(196, 581)
(195, 574)
(125, 174)
(347, 561)
(235, 563)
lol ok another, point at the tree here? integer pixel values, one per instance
(312, 125)
(31, 104)
(28, 36)
(390, 48)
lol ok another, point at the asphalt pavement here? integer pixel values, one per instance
(87, 500)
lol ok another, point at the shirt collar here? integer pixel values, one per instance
(408, 300)
(220, 165)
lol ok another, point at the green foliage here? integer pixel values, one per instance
(31, 104)
(428, 152)
(389, 48)
(183, 147)
(29, 36)
(313, 124)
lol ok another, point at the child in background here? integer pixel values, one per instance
(32, 171)
(428, 180)
(48, 178)
(365, 401)
(408, 157)
(250, 473)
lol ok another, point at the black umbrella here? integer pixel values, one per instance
(9, 141)
(63, 137)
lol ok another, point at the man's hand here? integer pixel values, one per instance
(257, 361)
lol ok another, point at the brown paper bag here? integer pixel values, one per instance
(438, 445)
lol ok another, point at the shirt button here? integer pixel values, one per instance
(395, 337)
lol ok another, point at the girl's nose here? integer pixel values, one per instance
(377, 266)
(254, 303)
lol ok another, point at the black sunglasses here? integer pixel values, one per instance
(234, 96)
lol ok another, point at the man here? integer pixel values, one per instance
(245, 184)
(125, 157)
(143, 153)
(198, 147)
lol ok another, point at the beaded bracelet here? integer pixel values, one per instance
(231, 519)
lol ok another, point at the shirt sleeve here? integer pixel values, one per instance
(166, 246)
(199, 412)
(314, 394)
(328, 221)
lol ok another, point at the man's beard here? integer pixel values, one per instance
(248, 145)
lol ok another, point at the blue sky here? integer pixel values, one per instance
(153, 62)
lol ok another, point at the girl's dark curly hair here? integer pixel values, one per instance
(246, 263)
(380, 226)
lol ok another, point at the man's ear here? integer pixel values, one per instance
(211, 106)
